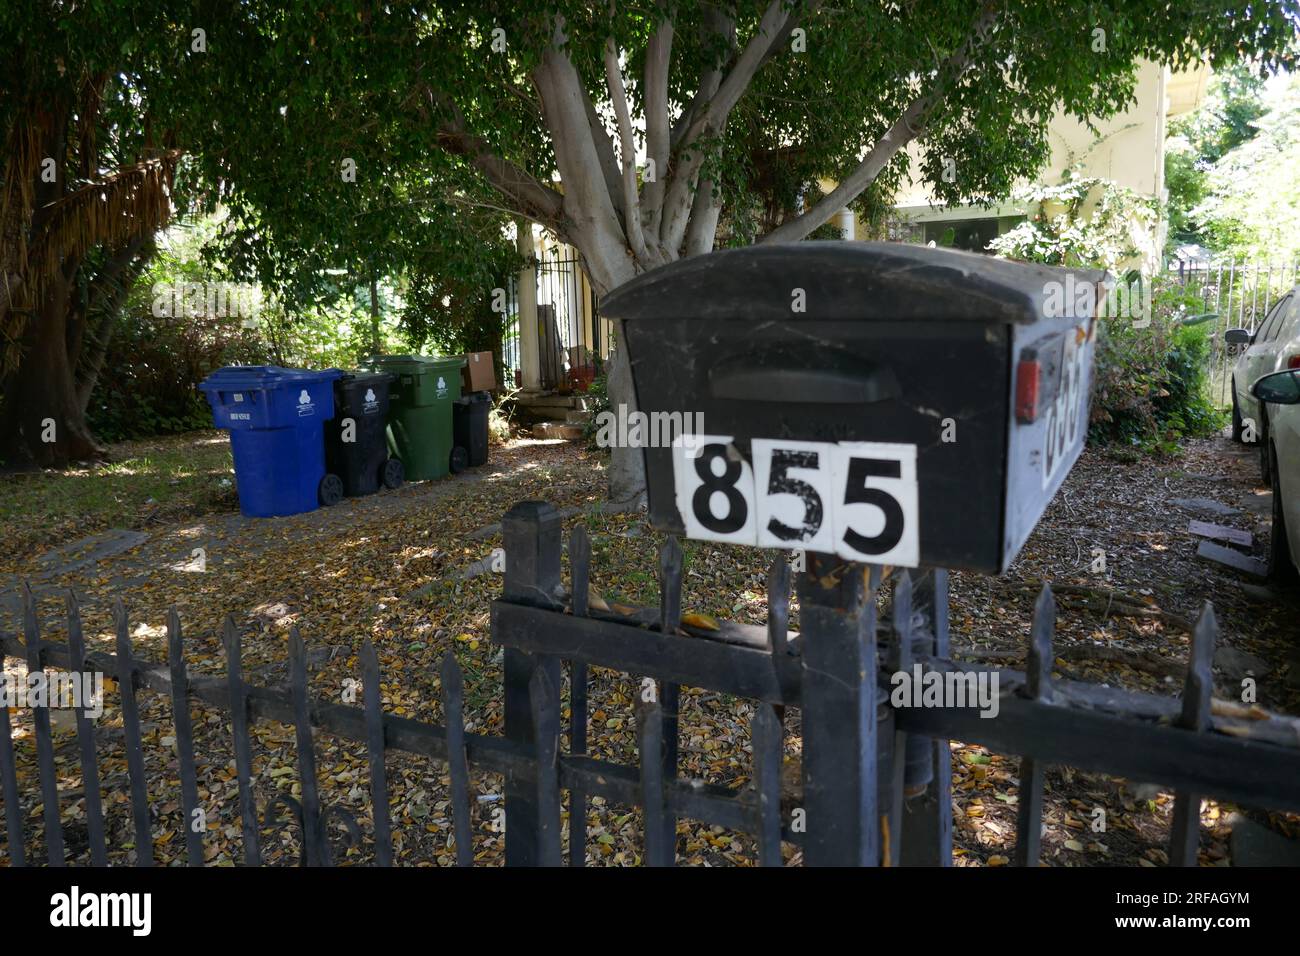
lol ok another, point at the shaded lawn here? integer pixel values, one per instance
(145, 483)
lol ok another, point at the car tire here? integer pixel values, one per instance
(1238, 427)
(1280, 566)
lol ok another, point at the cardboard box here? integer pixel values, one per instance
(477, 375)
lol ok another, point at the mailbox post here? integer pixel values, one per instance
(871, 404)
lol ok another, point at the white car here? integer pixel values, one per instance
(1279, 395)
(1274, 345)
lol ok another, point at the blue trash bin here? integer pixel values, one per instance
(276, 418)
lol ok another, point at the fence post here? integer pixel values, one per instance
(531, 534)
(838, 624)
(927, 818)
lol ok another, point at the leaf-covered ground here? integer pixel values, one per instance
(390, 568)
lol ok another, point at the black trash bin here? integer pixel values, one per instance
(356, 448)
(470, 425)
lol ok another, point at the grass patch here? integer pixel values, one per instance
(157, 479)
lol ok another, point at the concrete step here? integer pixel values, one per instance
(565, 430)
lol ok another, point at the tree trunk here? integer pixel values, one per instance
(626, 465)
(42, 401)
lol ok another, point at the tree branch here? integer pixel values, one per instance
(711, 119)
(534, 199)
(906, 128)
(627, 149)
(658, 59)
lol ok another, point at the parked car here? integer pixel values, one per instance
(1274, 345)
(1278, 393)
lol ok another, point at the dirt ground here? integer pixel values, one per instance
(403, 570)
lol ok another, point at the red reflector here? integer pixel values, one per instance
(1028, 373)
(1293, 362)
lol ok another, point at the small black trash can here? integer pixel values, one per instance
(356, 448)
(470, 425)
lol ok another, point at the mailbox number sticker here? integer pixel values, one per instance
(1065, 415)
(856, 499)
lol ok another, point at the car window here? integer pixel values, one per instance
(1271, 324)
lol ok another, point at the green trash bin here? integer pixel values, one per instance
(420, 413)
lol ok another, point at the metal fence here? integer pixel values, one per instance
(1239, 294)
(571, 337)
(875, 783)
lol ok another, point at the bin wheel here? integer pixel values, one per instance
(331, 490)
(392, 473)
(459, 460)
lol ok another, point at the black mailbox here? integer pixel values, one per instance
(890, 403)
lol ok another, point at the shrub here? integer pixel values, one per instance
(1150, 384)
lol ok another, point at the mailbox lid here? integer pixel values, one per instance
(858, 281)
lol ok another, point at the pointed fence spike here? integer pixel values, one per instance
(1185, 826)
(1038, 670)
(779, 577)
(670, 585)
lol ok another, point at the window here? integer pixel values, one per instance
(1268, 331)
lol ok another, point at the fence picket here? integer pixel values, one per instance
(131, 733)
(1185, 829)
(86, 741)
(9, 781)
(546, 729)
(375, 746)
(315, 842)
(901, 662)
(660, 838)
(579, 579)
(769, 748)
(453, 707)
(184, 740)
(44, 738)
(1038, 674)
(239, 732)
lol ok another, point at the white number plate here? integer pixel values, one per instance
(855, 499)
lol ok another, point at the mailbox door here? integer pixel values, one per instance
(929, 399)
(1046, 433)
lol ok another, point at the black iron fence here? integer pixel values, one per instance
(874, 783)
(571, 339)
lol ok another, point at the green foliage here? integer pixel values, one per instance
(1251, 208)
(1197, 141)
(597, 402)
(1150, 384)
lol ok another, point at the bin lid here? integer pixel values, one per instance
(362, 377)
(847, 280)
(253, 377)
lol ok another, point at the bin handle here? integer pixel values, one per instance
(818, 386)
